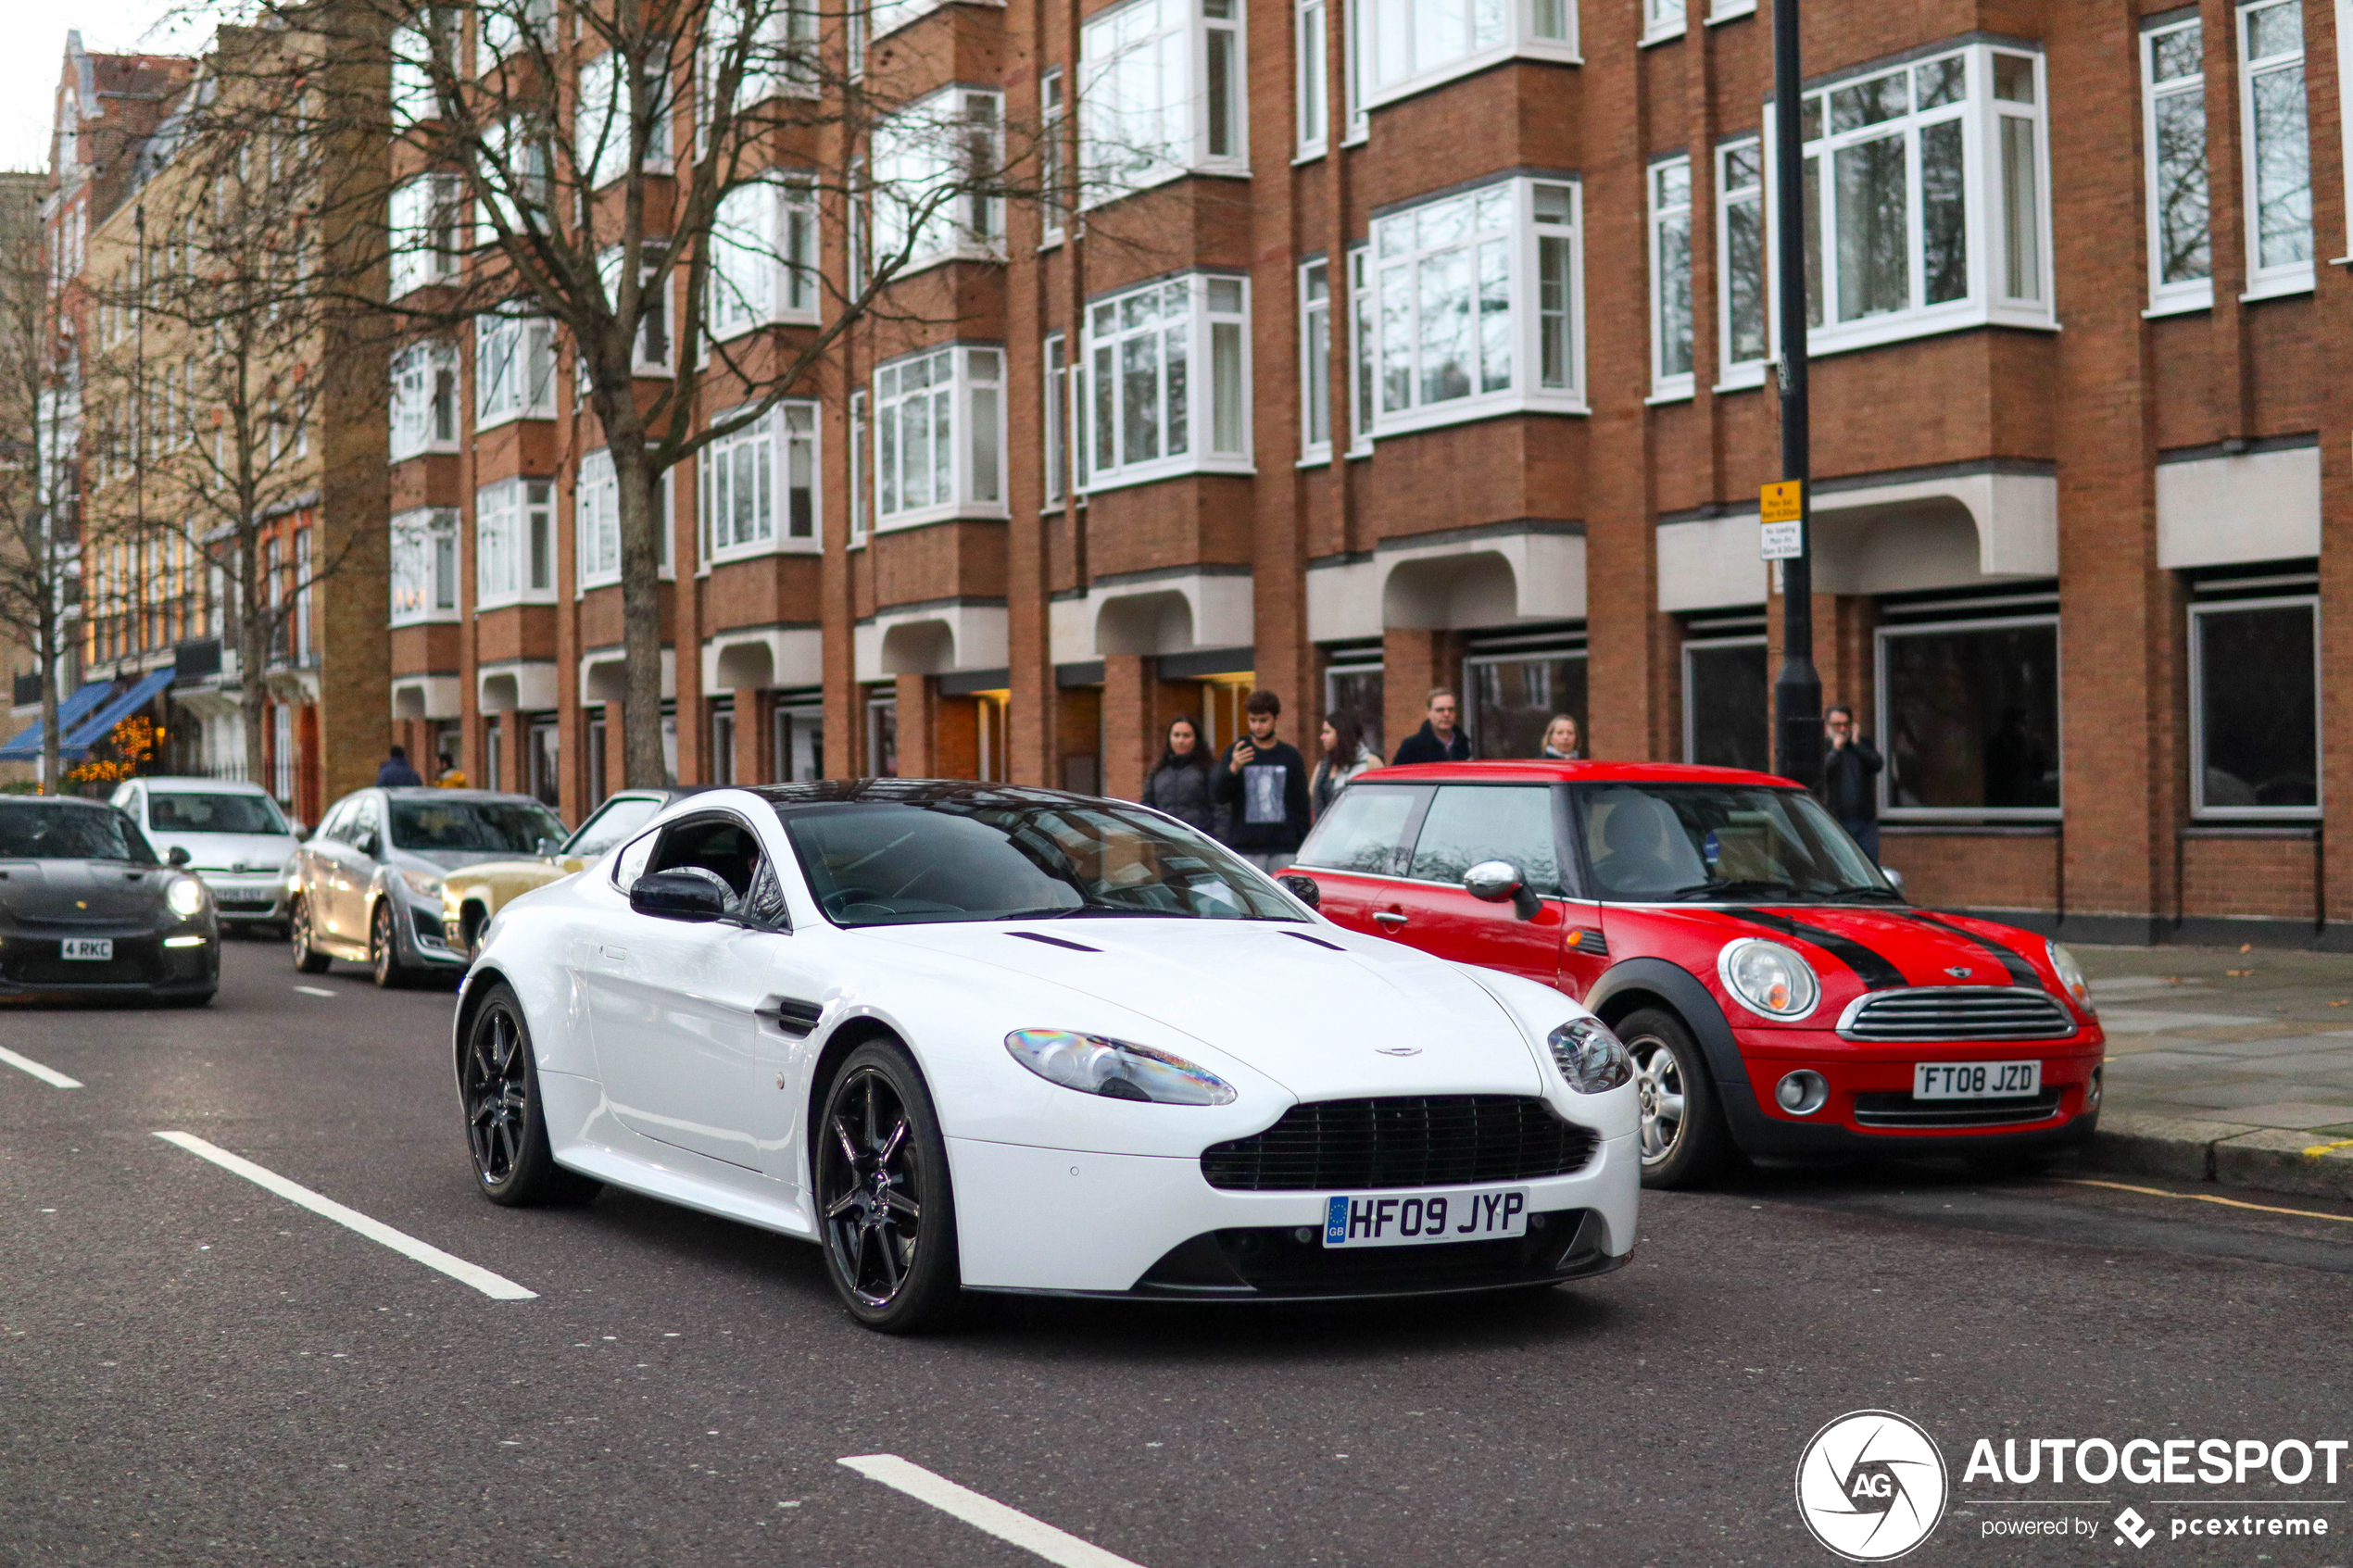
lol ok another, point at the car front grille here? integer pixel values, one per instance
(30, 960)
(1272, 1264)
(1408, 1141)
(1958, 1012)
(1896, 1109)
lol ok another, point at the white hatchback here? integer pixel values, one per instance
(238, 842)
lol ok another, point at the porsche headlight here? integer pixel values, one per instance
(424, 885)
(1095, 1065)
(1591, 1056)
(2071, 975)
(185, 897)
(1769, 978)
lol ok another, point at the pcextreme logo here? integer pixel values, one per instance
(1871, 1485)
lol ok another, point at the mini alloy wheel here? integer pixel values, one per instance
(882, 1193)
(1658, 1089)
(1683, 1138)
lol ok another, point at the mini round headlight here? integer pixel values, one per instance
(1769, 978)
(2071, 978)
(1591, 1056)
(185, 897)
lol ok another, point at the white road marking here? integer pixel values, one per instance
(1057, 1546)
(48, 1076)
(496, 1286)
(316, 991)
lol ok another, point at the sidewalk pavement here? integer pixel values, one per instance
(2226, 1065)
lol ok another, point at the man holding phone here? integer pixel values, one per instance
(1265, 780)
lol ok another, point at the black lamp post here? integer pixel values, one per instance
(1797, 690)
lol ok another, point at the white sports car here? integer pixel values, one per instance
(971, 1038)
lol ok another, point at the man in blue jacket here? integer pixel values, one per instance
(396, 774)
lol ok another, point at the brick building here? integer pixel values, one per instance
(1379, 346)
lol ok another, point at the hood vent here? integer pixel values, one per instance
(1053, 941)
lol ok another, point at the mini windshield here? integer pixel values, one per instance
(978, 859)
(1707, 843)
(52, 830)
(174, 812)
(430, 827)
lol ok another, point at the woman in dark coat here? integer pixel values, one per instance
(1180, 783)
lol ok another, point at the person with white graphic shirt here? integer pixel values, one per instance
(1264, 781)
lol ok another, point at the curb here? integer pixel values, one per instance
(2263, 1159)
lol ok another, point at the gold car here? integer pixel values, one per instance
(472, 894)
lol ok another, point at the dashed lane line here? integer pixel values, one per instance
(48, 1076)
(1058, 1547)
(496, 1286)
(317, 991)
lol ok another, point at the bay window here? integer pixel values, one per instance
(514, 369)
(781, 58)
(651, 353)
(935, 178)
(424, 566)
(1662, 20)
(427, 238)
(758, 485)
(1416, 43)
(597, 521)
(605, 126)
(2277, 139)
(2173, 131)
(424, 399)
(514, 543)
(1315, 360)
(763, 256)
(939, 434)
(509, 24)
(1744, 288)
(414, 98)
(1969, 717)
(2254, 736)
(1163, 91)
(1670, 220)
(515, 163)
(1147, 413)
(1473, 308)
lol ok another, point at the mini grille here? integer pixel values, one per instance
(1410, 1141)
(1958, 1012)
(1900, 1109)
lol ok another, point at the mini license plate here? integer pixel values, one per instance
(1976, 1080)
(100, 949)
(1417, 1219)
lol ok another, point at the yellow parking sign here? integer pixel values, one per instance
(1783, 501)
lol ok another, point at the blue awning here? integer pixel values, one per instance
(25, 746)
(116, 708)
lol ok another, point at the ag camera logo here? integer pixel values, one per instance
(1871, 1485)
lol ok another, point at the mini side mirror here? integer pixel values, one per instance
(689, 894)
(1497, 882)
(176, 856)
(1304, 888)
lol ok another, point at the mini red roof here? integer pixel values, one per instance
(1533, 771)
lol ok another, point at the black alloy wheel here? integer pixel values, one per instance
(498, 1081)
(384, 949)
(308, 959)
(883, 1194)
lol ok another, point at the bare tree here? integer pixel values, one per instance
(38, 547)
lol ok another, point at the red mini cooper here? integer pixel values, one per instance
(1778, 995)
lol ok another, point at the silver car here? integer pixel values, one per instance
(239, 844)
(366, 887)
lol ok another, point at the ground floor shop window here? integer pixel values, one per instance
(723, 746)
(1358, 689)
(882, 738)
(546, 781)
(2255, 717)
(1512, 701)
(1727, 704)
(798, 743)
(1970, 716)
(598, 741)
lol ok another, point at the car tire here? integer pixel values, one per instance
(506, 1125)
(383, 949)
(1684, 1141)
(893, 1261)
(308, 959)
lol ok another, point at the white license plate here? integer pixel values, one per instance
(1976, 1080)
(1417, 1219)
(101, 948)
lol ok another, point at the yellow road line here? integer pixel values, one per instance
(2333, 1145)
(2203, 1197)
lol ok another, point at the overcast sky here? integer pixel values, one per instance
(36, 50)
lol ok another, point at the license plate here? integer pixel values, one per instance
(1976, 1080)
(100, 949)
(1417, 1219)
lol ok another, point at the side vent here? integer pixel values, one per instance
(1588, 941)
(793, 1016)
(1302, 937)
(1053, 941)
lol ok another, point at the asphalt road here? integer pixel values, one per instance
(195, 1371)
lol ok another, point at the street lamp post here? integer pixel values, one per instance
(1797, 690)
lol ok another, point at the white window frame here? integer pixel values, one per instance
(1315, 360)
(426, 233)
(532, 358)
(514, 543)
(1729, 11)
(602, 127)
(1216, 310)
(519, 143)
(862, 497)
(1524, 235)
(2285, 277)
(654, 348)
(595, 531)
(503, 24)
(1663, 20)
(1129, 147)
(1889, 812)
(780, 64)
(1054, 410)
(425, 390)
(769, 460)
(1519, 38)
(2189, 294)
(425, 566)
(1668, 385)
(973, 396)
(1691, 710)
(1736, 374)
(1054, 173)
(2198, 808)
(763, 258)
(1309, 85)
(929, 142)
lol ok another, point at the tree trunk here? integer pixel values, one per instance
(50, 754)
(639, 493)
(253, 656)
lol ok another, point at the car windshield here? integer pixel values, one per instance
(52, 830)
(430, 827)
(1705, 843)
(980, 859)
(171, 812)
(610, 826)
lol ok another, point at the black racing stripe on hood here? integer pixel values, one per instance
(1873, 969)
(2020, 971)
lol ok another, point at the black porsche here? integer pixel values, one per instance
(86, 908)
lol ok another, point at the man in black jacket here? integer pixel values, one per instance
(1438, 740)
(396, 774)
(1849, 774)
(1264, 781)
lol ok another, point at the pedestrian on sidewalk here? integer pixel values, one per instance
(1345, 756)
(1264, 782)
(1560, 739)
(1850, 772)
(396, 774)
(1180, 783)
(1438, 740)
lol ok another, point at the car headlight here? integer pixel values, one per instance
(185, 897)
(2071, 975)
(1591, 1056)
(1769, 978)
(1095, 1065)
(424, 885)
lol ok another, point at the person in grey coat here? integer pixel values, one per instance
(1180, 783)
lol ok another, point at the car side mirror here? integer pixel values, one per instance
(302, 833)
(1496, 882)
(1304, 888)
(689, 894)
(370, 844)
(176, 856)
(547, 847)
